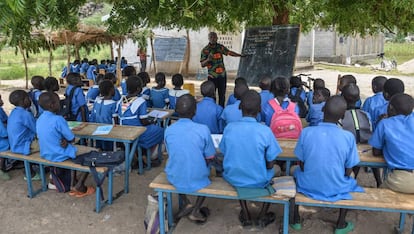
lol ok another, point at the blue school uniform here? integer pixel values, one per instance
(21, 129)
(117, 95)
(51, 129)
(4, 140)
(189, 144)
(174, 95)
(326, 151)
(309, 98)
(111, 68)
(102, 66)
(393, 136)
(145, 93)
(315, 114)
(246, 146)
(124, 87)
(378, 111)
(268, 111)
(231, 113)
(75, 68)
(372, 102)
(135, 111)
(159, 97)
(302, 94)
(265, 96)
(208, 113)
(231, 100)
(92, 93)
(91, 73)
(78, 100)
(3, 115)
(84, 68)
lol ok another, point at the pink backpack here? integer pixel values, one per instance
(285, 123)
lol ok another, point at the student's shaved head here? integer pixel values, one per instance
(186, 106)
(48, 101)
(334, 109)
(351, 94)
(402, 104)
(250, 103)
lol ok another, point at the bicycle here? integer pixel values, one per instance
(385, 63)
(309, 83)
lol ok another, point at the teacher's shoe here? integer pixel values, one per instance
(349, 227)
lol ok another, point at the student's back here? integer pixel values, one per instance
(174, 94)
(78, 99)
(371, 103)
(232, 112)
(4, 140)
(159, 97)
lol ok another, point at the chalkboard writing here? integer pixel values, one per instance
(170, 49)
(270, 51)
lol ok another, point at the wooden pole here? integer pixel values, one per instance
(153, 54)
(22, 51)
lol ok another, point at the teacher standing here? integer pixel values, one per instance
(212, 58)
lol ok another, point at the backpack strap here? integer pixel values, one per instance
(275, 106)
(298, 93)
(72, 92)
(291, 107)
(356, 125)
(99, 180)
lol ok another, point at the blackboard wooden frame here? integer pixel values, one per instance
(270, 51)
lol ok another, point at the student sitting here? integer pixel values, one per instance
(346, 80)
(232, 99)
(279, 107)
(146, 92)
(358, 122)
(92, 72)
(93, 91)
(177, 91)
(3, 115)
(51, 84)
(55, 140)
(111, 77)
(392, 138)
(136, 114)
(84, 67)
(265, 95)
(315, 114)
(37, 83)
(21, 126)
(105, 110)
(298, 95)
(371, 103)
(327, 155)
(391, 87)
(127, 72)
(317, 83)
(79, 108)
(159, 94)
(232, 112)
(189, 147)
(4, 144)
(249, 151)
(208, 112)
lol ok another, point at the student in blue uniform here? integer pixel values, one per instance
(146, 92)
(232, 99)
(177, 81)
(21, 126)
(208, 112)
(265, 94)
(393, 139)
(3, 115)
(102, 65)
(315, 114)
(346, 80)
(391, 87)
(4, 145)
(79, 107)
(38, 87)
(189, 147)
(136, 114)
(232, 112)
(111, 77)
(105, 110)
(327, 155)
(159, 94)
(249, 149)
(371, 103)
(127, 72)
(317, 83)
(280, 88)
(297, 85)
(51, 84)
(93, 91)
(55, 140)
(84, 67)
(92, 72)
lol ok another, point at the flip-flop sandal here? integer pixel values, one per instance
(244, 222)
(205, 211)
(74, 192)
(267, 219)
(197, 220)
(185, 211)
(89, 191)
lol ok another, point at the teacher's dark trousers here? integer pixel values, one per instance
(221, 84)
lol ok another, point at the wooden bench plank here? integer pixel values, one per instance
(372, 198)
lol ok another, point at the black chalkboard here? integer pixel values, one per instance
(170, 49)
(270, 51)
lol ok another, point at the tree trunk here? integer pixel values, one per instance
(77, 55)
(112, 50)
(187, 53)
(22, 51)
(281, 15)
(67, 51)
(153, 53)
(118, 63)
(49, 62)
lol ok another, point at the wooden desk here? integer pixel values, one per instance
(367, 159)
(165, 119)
(125, 134)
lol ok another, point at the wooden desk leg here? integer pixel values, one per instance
(161, 211)
(28, 179)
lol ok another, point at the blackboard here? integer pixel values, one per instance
(270, 51)
(170, 49)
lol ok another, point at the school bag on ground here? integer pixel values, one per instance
(66, 106)
(285, 123)
(357, 122)
(303, 109)
(95, 159)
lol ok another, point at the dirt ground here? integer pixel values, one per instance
(51, 212)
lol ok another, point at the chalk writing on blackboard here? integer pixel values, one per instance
(170, 49)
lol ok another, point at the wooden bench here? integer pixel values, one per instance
(373, 199)
(68, 164)
(217, 189)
